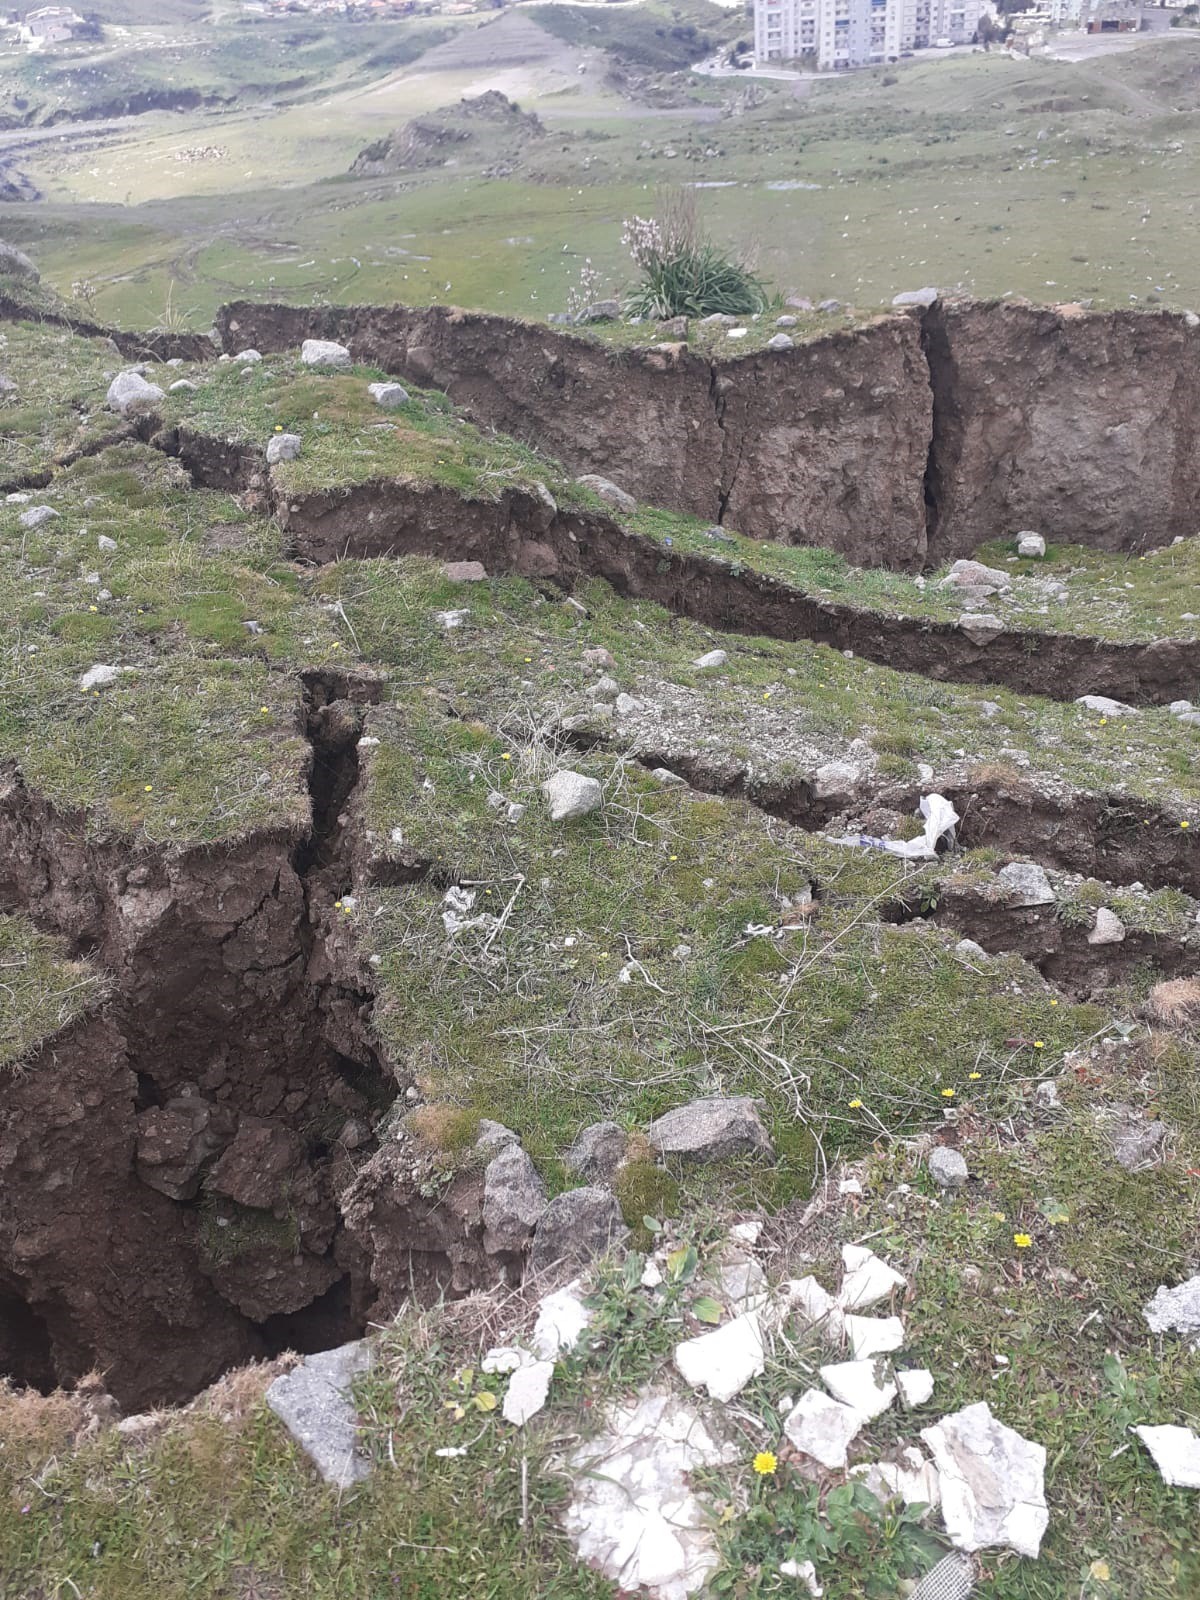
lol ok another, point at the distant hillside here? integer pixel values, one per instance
(645, 39)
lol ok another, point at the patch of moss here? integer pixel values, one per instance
(645, 1190)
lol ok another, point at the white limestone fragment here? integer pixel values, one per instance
(856, 1384)
(724, 1361)
(992, 1482)
(873, 1336)
(1176, 1453)
(823, 1428)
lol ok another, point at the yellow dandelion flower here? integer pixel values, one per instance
(856, 1104)
(265, 710)
(974, 1076)
(149, 788)
(1184, 823)
(506, 756)
(948, 1094)
(1022, 1241)
(279, 427)
(672, 858)
(1039, 1044)
(528, 659)
(1100, 1570)
(1104, 722)
(1054, 1002)
(765, 1463)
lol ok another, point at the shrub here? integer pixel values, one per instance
(683, 273)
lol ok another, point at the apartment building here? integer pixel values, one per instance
(833, 35)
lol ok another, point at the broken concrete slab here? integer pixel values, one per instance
(633, 1514)
(823, 1428)
(992, 1482)
(724, 1361)
(313, 1402)
(915, 1385)
(1176, 1453)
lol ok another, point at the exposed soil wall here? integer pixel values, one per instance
(970, 421)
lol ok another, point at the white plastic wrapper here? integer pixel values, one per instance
(940, 822)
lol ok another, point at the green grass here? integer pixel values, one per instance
(43, 992)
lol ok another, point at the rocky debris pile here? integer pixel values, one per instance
(490, 121)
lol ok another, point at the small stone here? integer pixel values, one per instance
(249, 358)
(867, 1279)
(313, 1402)
(915, 297)
(1176, 1310)
(37, 515)
(992, 1482)
(1107, 928)
(873, 1336)
(1031, 545)
(105, 543)
(915, 1386)
(597, 1151)
(464, 571)
(1176, 1453)
(325, 353)
(1106, 707)
(570, 795)
(608, 491)
(626, 706)
(1180, 708)
(980, 627)
(597, 656)
(514, 1200)
(712, 1129)
(1046, 1095)
(710, 660)
(823, 1428)
(600, 311)
(970, 951)
(668, 779)
(912, 1479)
(604, 688)
(182, 386)
(780, 341)
(129, 391)
(786, 321)
(283, 447)
(855, 1384)
(947, 1167)
(736, 333)
(388, 395)
(527, 1392)
(99, 677)
(452, 619)
(724, 1361)
(577, 1226)
(561, 1321)
(1026, 884)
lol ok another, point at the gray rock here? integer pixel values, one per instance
(37, 515)
(975, 576)
(604, 688)
(313, 1403)
(182, 386)
(1107, 928)
(1105, 706)
(388, 395)
(493, 1137)
(992, 1482)
(1180, 708)
(571, 794)
(15, 263)
(1026, 884)
(674, 328)
(780, 341)
(283, 447)
(626, 706)
(248, 358)
(597, 1151)
(129, 391)
(710, 660)
(712, 1129)
(8, 386)
(1031, 545)
(829, 305)
(947, 1167)
(915, 297)
(668, 779)
(464, 571)
(576, 1227)
(718, 319)
(981, 627)
(514, 1197)
(99, 677)
(600, 311)
(786, 321)
(970, 951)
(1136, 1142)
(1176, 1310)
(325, 353)
(105, 543)
(608, 491)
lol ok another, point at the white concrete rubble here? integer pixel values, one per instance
(1176, 1453)
(857, 1385)
(867, 1280)
(561, 1321)
(992, 1482)
(873, 1336)
(915, 1385)
(911, 1479)
(725, 1360)
(1176, 1310)
(823, 1428)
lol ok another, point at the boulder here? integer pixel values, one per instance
(37, 515)
(1025, 884)
(464, 571)
(980, 627)
(992, 1482)
(313, 1402)
(712, 1129)
(283, 447)
(710, 660)
(577, 1226)
(325, 353)
(597, 1151)
(1105, 706)
(570, 795)
(947, 1167)
(724, 1361)
(1107, 928)
(15, 263)
(915, 297)
(1031, 545)
(389, 396)
(608, 491)
(129, 391)
(514, 1198)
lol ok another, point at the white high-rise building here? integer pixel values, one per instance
(835, 34)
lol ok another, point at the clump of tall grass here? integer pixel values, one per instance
(683, 273)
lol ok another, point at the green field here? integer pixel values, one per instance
(980, 173)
